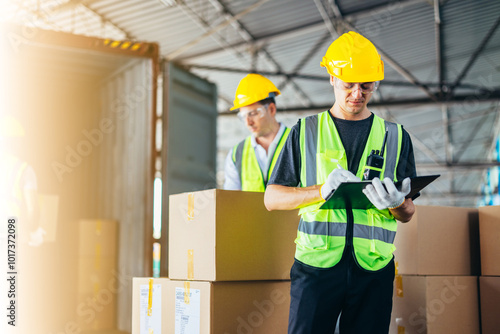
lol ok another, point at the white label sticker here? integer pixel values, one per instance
(150, 324)
(187, 311)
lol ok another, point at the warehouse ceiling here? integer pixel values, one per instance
(442, 68)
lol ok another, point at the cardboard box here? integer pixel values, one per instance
(435, 305)
(257, 307)
(97, 263)
(95, 273)
(489, 289)
(439, 241)
(223, 235)
(97, 237)
(48, 216)
(489, 233)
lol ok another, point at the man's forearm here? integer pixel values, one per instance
(404, 212)
(279, 197)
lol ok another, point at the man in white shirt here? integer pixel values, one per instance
(250, 163)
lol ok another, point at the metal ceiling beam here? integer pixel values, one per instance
(496, 131)
(225, 45)
(397, 67)
(456, 99)
(327, 19)
(104, 19)
(306, 58)
(447, 133)
(416, 141)
(432, 125)
(213, 30)
(439, 46)
(266, 39)
(49, 11)
(476, 53)
(321, 77)
(243, 31)
(472, 135)
(400, 69)
(308, 28)
(420, 145)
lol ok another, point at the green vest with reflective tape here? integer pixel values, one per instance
(321, 235)
(248, 167)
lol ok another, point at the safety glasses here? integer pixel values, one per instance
(365, 87)
(252, 114)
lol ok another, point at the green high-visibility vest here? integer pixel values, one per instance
(244, 157)
(321, 235)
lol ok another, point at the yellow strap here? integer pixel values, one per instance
(401, 330)
(399, 286)
(98, 227)
(97, 258)
(190, 264)
(190, 213)
(150, 298)
(186, 292)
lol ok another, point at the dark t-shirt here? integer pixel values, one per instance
(354, 135)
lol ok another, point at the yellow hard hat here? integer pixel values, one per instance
(10, 127)
(353, 58)
(253, 88)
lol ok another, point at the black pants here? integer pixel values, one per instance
(362, 298)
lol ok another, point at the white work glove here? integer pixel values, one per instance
(335, 178)
(390, 198)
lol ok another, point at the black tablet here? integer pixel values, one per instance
(350, 194)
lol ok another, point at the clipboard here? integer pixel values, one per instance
(350, 194)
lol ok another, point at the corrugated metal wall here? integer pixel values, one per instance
(124, 168)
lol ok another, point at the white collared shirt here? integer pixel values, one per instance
(232, 177)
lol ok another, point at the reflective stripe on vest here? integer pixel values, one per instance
(248, 167)
(322, 233)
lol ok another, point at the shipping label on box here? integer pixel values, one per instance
(187, 310)
(148, 304)
(150, 308)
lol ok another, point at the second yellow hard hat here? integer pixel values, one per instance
(253, 88)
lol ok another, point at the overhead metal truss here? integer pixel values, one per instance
(219, 23)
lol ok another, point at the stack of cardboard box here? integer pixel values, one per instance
(97, 264)
(489, 282)
(437, 264)
(229, 264)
